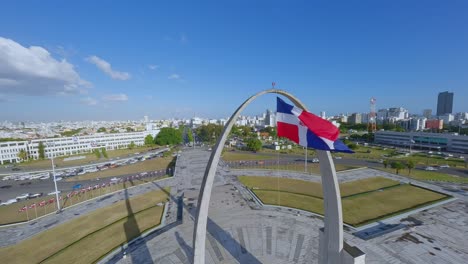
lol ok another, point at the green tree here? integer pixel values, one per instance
(101, 129)
(149, 140)
(23, 155)
(410, 166)
(385, 163)
(41, 150)
(189, 135)
(270, 130)
(131, 145)
(352, 146)
(104, 152)
(168, 136)
(129, 129)
(97, 153)
(209, 133)
(254, 144)
(397, 166)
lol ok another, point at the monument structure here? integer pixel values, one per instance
(331, 248)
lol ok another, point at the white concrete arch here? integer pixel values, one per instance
(332, 246)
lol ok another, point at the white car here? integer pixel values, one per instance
(23, 196)
(11, 201)
(58, 179)
(315, 160)
(430, 169)
(338, 158)
(444, 166)
(53, 193)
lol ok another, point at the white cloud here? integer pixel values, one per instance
(174, 76)
(107, 68)
(116, 97)
(153, 67)
(33, 71)
(89, 101)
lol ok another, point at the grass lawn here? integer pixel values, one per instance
(143, 166)
(296, 166)
(364, 200)
(9, 214)
(123, 153)
(234, 156)
(282, 184)
(363, 208)
(303, 202)
(92, 235)
(314, 188)
(428, 175)
(59, 162)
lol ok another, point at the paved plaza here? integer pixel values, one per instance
(239, 234)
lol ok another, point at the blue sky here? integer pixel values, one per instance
(116, 60)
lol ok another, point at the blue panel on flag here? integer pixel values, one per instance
(283, 107)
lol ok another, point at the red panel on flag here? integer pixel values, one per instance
(320, 127)
(288, 131)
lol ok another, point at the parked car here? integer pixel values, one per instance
(53, 193)
(315, 160)
(23, 196)
(430, 169)
(15, 169)
(11, 201)
(35, 195)
(444, 166)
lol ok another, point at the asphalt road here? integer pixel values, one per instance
(348, 160)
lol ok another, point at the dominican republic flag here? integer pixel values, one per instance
(307, 129)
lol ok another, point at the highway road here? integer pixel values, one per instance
(10, 189)
(348, 160)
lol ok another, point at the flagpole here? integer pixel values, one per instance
(305, 161)
(27, 215)
(35, 209)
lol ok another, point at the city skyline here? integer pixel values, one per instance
(203, 60)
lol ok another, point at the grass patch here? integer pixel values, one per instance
(296, 166)
(363, 200)
(314, 188)
(90, 234)
(303, 202)
(143, 166)
(364, 208)
(428, 175)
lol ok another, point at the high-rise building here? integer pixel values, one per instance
(355, 118)
(427, 113)
(444, 103)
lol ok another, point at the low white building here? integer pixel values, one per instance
(9, 151)
(65, 146)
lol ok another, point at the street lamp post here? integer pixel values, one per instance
(55, 180)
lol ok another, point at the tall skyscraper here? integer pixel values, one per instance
(444, 103)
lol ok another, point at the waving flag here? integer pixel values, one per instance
(307, 129)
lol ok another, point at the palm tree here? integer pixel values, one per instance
(410, 166)
(23, 155)
(385, 163)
